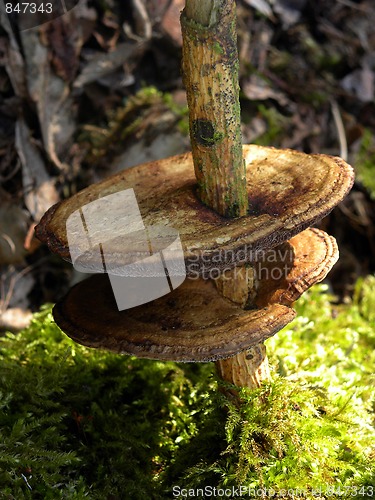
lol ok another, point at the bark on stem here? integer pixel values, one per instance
(203, 12)
(248, 368)
(210, 66)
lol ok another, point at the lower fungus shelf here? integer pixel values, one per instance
(195, 322)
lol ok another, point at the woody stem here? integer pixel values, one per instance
(210, 67)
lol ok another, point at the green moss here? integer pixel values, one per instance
(364, 298)
(103, 143)
(180, 110)
(276, 123)
(365, 162)
(76, 422)
(217, 48)
(194, 30)
(79, 423)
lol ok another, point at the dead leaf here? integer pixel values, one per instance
(256, 88)
(360, 83)
(51, 94)
(142, 20)
(87, 17)
(27, 20)
(156, 137)
(15, 286)
(290, 11)
(101, 65)
(13, 229)
(261, 6)
(64, 45)
(15, 319)
(40, 190)
(251, 131)
(14, 62)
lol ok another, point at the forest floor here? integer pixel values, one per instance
(100, 88)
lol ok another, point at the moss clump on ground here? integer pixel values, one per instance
(276, 124)
(79, 423)
(365, 162)
(106, 141)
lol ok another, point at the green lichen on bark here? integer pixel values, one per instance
(218, 48)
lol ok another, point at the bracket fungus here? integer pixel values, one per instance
(195, 322)
(242, 215)
(288, 191)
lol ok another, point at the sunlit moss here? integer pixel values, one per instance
(365, 162)
(82, 423)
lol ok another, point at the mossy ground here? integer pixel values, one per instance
(365, 162)
(79, 423)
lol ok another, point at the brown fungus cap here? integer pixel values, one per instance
(288, 191)
(194, 322)
(288, 270)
